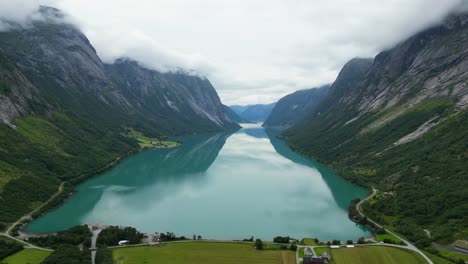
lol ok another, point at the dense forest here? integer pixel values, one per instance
(425, 178)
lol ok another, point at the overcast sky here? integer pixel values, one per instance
(253, 51)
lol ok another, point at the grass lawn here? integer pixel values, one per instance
(309, 242)
(27, 256)
(301, 252)
(371, 254)
(451, 254)
(146, 142)
(381, 238)
(436, 259)
(203, 253)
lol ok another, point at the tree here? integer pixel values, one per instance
(363, 221)
(259, 244)
(293, 247)
(336, 242)
(349, 242)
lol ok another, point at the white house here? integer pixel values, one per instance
(123, 242)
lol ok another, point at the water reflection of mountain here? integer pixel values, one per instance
(162, 170)
(256, 132)
(340, 189)
(196, 155)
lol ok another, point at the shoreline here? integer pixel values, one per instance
(43, 209)
(82, 178)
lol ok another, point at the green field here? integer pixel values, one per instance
(371, 254)
(381, 238)
(146, 142)
(27, 256)
(436, 259)
(451, 254)
(309, 242)
(202, 253)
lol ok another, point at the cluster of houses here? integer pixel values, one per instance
(311, 258)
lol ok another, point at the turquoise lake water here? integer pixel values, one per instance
(220, 186)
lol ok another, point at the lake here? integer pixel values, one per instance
(230, 185)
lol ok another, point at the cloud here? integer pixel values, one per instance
(253, 51)
(18, 11)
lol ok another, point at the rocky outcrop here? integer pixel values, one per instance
(431, 64)
(292, 108)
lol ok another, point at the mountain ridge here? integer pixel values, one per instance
(293, 107)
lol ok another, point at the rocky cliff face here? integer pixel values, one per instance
(234, 116)
(431, 64)
(174, 101)
(292, 108)
(57, 62)
(402, 127)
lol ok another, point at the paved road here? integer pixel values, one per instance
(409, 245)
(93, 244)
(27, 217)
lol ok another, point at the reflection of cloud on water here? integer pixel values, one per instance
(240, 146)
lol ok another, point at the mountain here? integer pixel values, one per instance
(253, 113)
(234, 116)
(65, 115)
(401, 127)
(292, 108)
(177, 103)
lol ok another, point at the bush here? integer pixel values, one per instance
(104, 256)
(336, 242)
(388, 241)
(169, 236)
(281, 239)
(73, 236)
(293, 247)
(8, 248)
(69, 254)
(258, 244)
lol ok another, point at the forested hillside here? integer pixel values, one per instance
(403, 128)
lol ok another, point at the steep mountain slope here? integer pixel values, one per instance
(403, 128)
(64, 114)
(177, 103)
(254, 113)
(292, 108)
(233, 115)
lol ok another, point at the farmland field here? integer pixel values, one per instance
(203, 253)
(372, 254)
(26, 256)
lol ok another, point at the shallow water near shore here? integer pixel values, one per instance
(220, 186)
